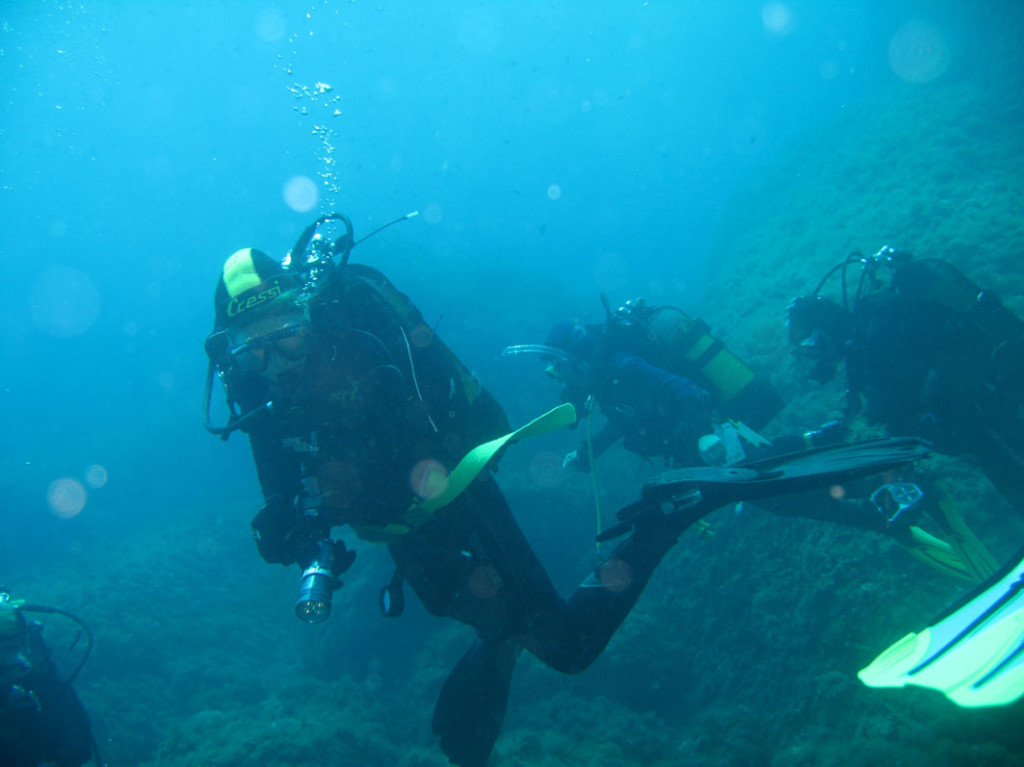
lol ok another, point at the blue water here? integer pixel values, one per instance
(584, 147)
(145, 141)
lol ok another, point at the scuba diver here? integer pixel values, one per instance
(653, 412)
(42, 721)
(671, 390)
(357, 413)
(927, 353)
(667, 388)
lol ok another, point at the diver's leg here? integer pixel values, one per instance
(825, 506)
(599, 605)
(567, 635)
(471, 706)
(474, 564)
(958, 552)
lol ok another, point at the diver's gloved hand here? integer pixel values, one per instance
(580, 400)
(283, 535)
(270, 528)
(712, 450)
(575, 462)
(339, 557)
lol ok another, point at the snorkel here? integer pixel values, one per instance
(315, 256)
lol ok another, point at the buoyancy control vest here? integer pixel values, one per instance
(995, 333)
(462, 408)
(669, 338)
(442, 411)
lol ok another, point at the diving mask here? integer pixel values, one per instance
(253, 347)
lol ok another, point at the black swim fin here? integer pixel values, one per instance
(471, 706)
(695, 492)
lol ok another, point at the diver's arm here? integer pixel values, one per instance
(678, 395)
(853, 401)
(67, 732)
(278, 470)
(283, 534)
(830, 433)
(676, 399)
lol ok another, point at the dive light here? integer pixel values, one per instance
(320, 579)
(316, 587)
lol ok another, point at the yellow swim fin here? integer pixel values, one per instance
(971, 551)
(937, 553)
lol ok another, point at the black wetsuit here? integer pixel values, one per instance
(376, 398)
(930, 356)
(926, 366)
(41, 718)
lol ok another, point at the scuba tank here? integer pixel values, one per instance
(669, 338)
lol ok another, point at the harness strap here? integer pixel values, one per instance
(420, 512)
